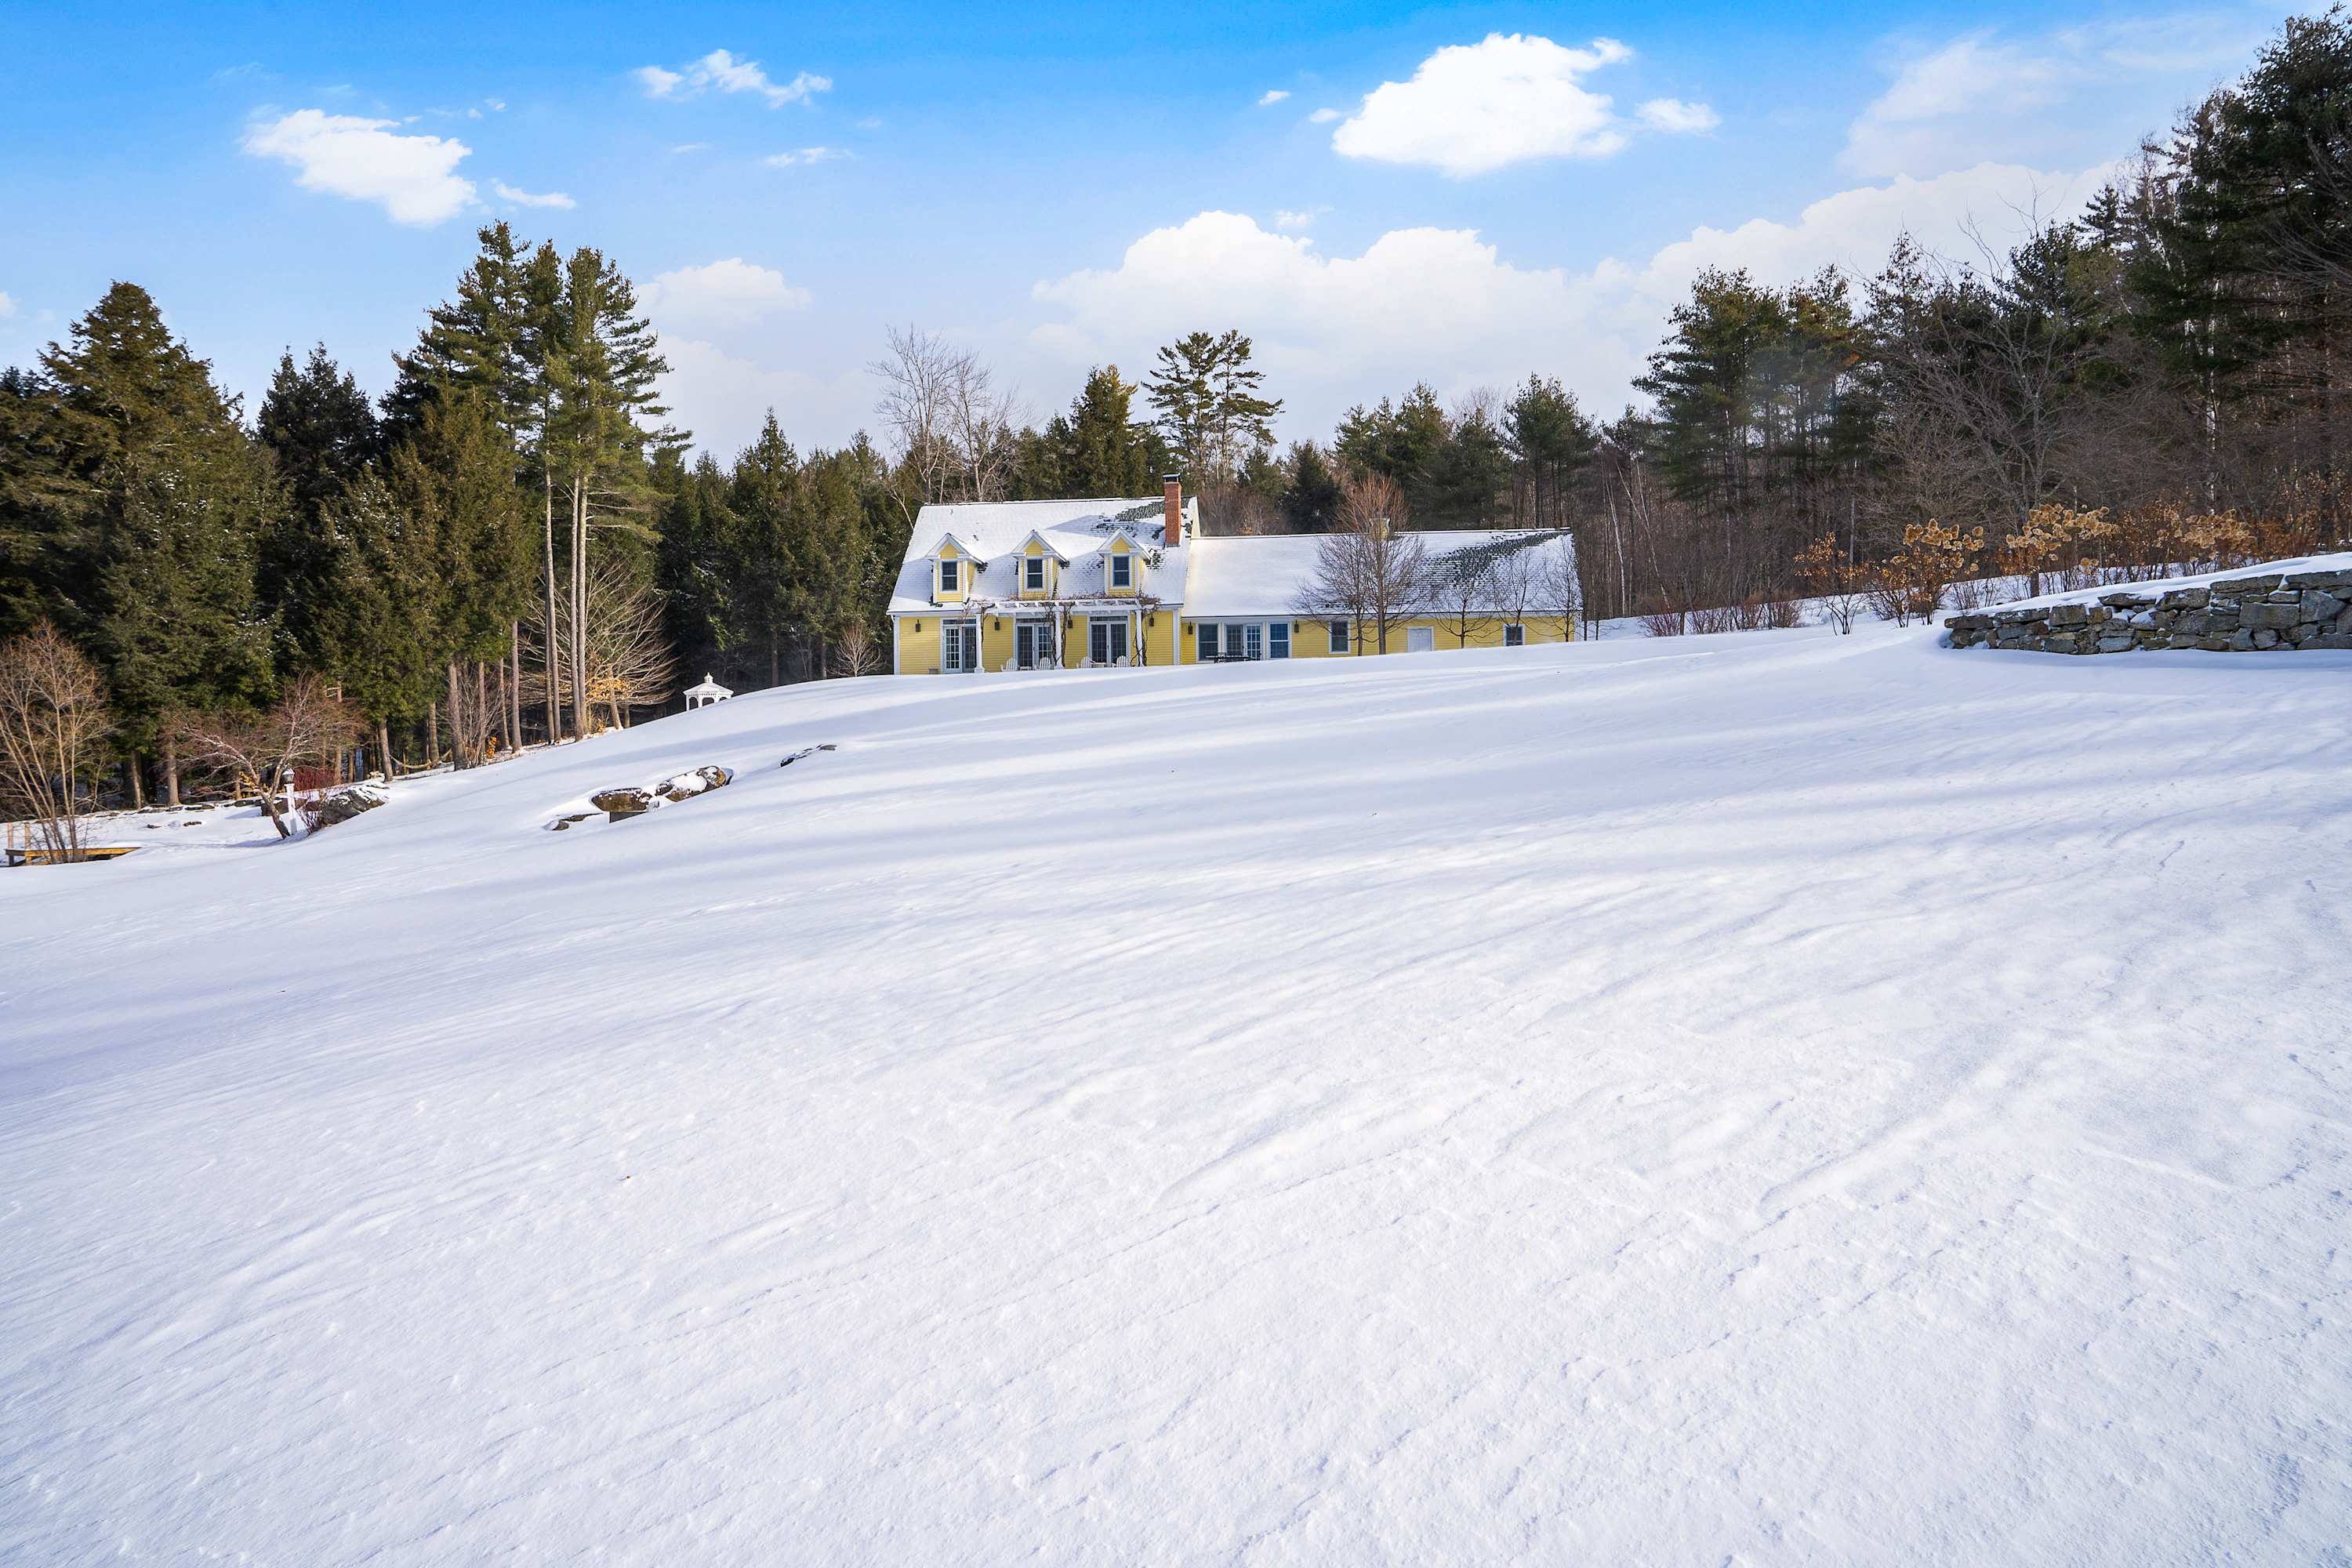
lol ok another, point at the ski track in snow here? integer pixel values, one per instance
(1761, 1098)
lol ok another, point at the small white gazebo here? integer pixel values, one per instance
(704, 695)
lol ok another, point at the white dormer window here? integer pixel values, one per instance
(1122, 571)
(947, 578)
(1034, 573)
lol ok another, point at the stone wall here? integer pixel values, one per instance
(2260, 612)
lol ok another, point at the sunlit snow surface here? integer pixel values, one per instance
(1768, 1098)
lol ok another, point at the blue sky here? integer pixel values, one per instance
(1377, 194)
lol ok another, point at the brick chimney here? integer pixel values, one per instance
(1172, 490)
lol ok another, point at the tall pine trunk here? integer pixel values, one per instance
(456, 724)
(512, 675)
(384, 750)
(547, 654)
(579, 606)
(171, 771)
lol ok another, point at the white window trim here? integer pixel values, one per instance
(1032, 573)
(1340, 637)
(951, 579)
(1519, 626)
(1122, 571)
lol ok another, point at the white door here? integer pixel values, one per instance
(1420, 639)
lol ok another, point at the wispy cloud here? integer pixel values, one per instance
(1990, 93)
(413, 177)
(723, 72)
(800, 155)
(1296, 220)
(1323, 117)
(1272, 94)
(7, 307)
(1674, 117)
(507, 192)
(691, 147)
(731, 293)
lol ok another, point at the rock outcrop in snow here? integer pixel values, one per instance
(617, 803)
(342, 804)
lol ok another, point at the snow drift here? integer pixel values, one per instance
(1771, 1097)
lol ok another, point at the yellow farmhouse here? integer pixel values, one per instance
(999, 585)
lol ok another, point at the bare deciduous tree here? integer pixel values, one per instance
(856, 652)
(52, 716)
(1829, 573)
(1372, 570)
(1461, 586)
(1557, 592)
(625, 652)
(308, 724)
(954, 430)
(1515, 579)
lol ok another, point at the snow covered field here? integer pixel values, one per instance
(1770, 1098)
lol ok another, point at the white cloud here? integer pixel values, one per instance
(730, 292)
(1291, 221)
(7, 307)
(1330, 330)
(1674, 117)
(722, 71)
(1272, 94)
(1471, 109)
(691, 147)
(1447, 306)
(412, 176)
(2054, 96)
(507, 192)
(723, 395)
(800, 155)
(1938, 106)
(1323, 117)
(1853, 228)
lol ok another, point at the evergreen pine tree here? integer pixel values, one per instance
(375, 622)
(1206, 391)
(155, 546)
(321, 429)
(453, 476)
(1553, 444)
(763, 549)
(694, 570)
(1311, 504)
(1104, 451)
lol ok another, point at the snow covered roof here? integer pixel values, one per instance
(994, 533)
(1263, 574)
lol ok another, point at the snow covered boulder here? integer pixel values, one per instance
(684, 786)
(342, 804)
(616, 804)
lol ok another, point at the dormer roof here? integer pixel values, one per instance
(1050, 547)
